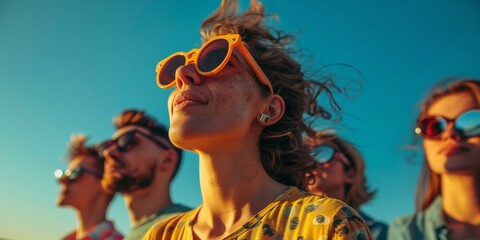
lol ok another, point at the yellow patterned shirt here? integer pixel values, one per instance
(294, 215)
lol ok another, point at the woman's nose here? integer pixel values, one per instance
(451, 132)
(187, 75)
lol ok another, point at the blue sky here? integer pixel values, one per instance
(70, 66)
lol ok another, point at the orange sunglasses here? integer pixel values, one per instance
(210, 59)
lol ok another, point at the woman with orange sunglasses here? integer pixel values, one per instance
(448, 192)
(239, 103)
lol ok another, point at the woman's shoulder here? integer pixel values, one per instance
(427, 224)
(171, 227)
(323, 211)
(312, 202)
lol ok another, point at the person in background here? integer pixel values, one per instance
(140, 164)
(340, 174)
(448, 192)
(81, 189)
(239, 102)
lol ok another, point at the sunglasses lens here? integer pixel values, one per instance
(213, 55)
(126, 141)
(323, 153)
(432, 127)
(58, 174)
(167, 75)
(469, 123)
(71, 174)
(102, 147)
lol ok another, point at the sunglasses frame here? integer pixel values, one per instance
(74, 174)
(234, 41)
(447, 121)
(336, 154)
(109, 143)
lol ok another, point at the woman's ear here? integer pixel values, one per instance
(274, 110)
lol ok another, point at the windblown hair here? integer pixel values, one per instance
(356, 194)
(133, 117)
(429, 184)
(281, 148)
(77, 147)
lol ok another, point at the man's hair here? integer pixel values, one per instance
(429, 184)
(77, 147)
(133, 117)
(281, 149)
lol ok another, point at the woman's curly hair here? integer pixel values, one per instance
(283, 155)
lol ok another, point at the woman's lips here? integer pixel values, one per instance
(188, 99)
(453, 149)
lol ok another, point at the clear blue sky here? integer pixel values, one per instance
(70, 66)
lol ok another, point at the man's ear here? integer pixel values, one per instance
(274, 110)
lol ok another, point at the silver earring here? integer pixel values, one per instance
(264, 118)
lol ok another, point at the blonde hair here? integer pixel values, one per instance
(78, 147)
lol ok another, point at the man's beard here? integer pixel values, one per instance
(127, 183)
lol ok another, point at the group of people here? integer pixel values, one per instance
(243, 104)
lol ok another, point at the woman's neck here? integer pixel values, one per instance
(461, 198)
(234, 187)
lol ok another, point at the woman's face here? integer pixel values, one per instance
(331, 178)
(452, 153)
(205, 111)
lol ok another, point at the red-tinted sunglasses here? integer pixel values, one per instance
(210, 59)
(432, 127)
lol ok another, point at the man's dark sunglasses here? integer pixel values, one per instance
(127, 141)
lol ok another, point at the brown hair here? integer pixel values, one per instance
(429, 184)
(133, 117)
(280, 145)
(77, 147)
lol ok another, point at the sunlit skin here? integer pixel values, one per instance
(219, 121)
(142, 174)
(85, 195)
(452, 153)
(214, 99)
(457, 160)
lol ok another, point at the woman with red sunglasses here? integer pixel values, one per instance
(448, 193)
(340, 174)
(239, 103)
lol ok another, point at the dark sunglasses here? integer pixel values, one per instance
(210, 59)
(127, 141)
(467, 125)
(326, 152)
(72, 174)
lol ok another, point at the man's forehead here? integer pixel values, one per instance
(126, 129)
